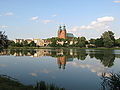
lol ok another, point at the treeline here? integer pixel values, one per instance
(107, 40)
(22, 44)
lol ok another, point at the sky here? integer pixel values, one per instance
(42, 18)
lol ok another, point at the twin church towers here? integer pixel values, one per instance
(62, 33)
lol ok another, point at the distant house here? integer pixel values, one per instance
(29, 40)
(18, 40)
(39, 42)
(47, 42)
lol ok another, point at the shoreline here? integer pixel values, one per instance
(60, 48)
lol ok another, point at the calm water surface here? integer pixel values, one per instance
(73, 69)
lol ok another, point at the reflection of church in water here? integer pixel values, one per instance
(61, 62)
(61, 58)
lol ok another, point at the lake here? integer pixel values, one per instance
(73, 69)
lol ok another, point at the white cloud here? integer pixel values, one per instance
(105, 19)
(99, 69)
(33, 74)
(47, 21)
(34, 18)
(8, 14)
(54, 15)
(116, 1)
(99, 24)
(3, 26)
(45, 71)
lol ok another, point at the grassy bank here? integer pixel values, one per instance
(8, 83)
(59, 48)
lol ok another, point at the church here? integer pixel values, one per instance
(62, 33)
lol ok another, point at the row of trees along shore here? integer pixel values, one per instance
(107, 40)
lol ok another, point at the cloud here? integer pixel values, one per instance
(3, 65)
(35, 18)
(98, 24)
(105, 19)
(3, 26)
(47, 21)
(98, 68)
(116, 1)
(54, 15)
(45, 71)
(33, 74)
(8, 14)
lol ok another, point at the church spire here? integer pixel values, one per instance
(64, 27)
(60, 28)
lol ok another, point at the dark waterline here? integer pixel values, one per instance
(73, 69)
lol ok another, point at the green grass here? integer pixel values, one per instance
(8, 83)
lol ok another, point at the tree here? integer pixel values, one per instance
(11, 43)
(92, 41)
(99, 42)
(25, 43)
(81, 42)
(54, 42)
(108, 39)
(18, 44)
(3, 40)
(32, 44)
(117, 42)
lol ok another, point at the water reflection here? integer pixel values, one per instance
(106, 57)
(75, 67)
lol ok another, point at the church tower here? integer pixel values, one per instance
(62, 32)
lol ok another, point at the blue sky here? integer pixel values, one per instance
(41, 18)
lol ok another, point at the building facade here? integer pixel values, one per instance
(62, 33)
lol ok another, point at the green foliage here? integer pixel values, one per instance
(3, 40)
(32, 44)
(25, 43)
(92, 41)
(117, 42)
(8, 83)
(111, 82)
(81, 42)
(11, 44)
(108, 39)
(99, 42)
(43, 86)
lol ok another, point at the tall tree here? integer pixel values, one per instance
(108, 39)
(3, 40)
(32, 44)
(117, 42)
(81, 42)
(99, 42)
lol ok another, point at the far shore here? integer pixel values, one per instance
(60, 48)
